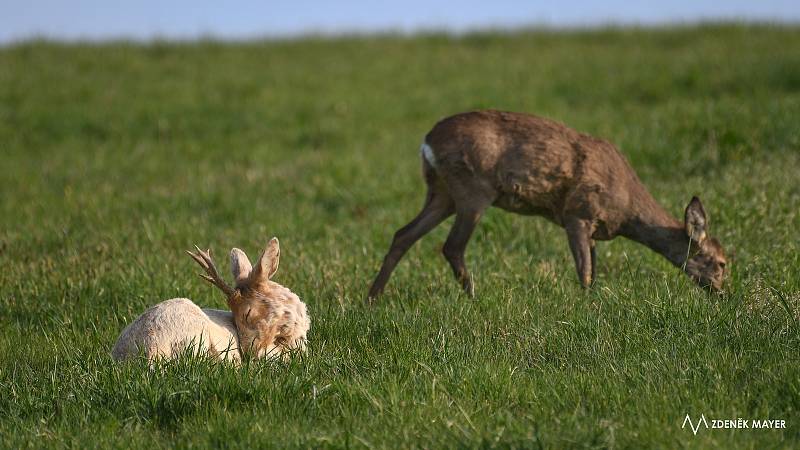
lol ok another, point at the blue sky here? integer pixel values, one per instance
(183, 19)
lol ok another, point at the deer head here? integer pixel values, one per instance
(706, 260)
(269, 317)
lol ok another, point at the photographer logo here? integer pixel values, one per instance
(728, 424)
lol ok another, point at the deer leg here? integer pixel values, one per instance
(579, 233)
(456, 244)
(594, 260)
(265, 344)
(438, 208)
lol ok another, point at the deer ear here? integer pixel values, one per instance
(695, 220)
(267, 265)
(240, 266)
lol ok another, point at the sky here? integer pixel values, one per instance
(184, 19)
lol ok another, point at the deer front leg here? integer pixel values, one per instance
(594, 261)
(579, 234)
(264, 345)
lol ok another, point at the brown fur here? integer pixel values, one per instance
(535, 166)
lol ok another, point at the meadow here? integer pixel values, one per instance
(117, 157)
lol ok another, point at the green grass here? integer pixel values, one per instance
(117, 157)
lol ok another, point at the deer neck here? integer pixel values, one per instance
(651, 225)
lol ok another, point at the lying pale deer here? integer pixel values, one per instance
(534, 166)
(266, 319)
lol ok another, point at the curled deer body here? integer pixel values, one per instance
(534, 166)
(266, 319)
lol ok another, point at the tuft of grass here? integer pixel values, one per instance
(116, 157)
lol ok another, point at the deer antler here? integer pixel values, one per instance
(203, 258)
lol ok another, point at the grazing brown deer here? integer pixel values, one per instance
(535, 166)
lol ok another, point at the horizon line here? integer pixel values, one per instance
(323, 33)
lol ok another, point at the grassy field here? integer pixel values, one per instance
(115, 158)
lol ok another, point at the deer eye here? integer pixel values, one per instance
(722, 265)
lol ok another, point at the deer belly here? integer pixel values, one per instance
(519, 205)
(525, 199)
(529, 191)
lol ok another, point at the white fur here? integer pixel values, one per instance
(427, 152)
(167, 329)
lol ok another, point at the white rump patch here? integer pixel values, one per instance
(427, 152)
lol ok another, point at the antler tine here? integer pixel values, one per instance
(203, 259)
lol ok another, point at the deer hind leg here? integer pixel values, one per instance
(579, 233)
(438, 206)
